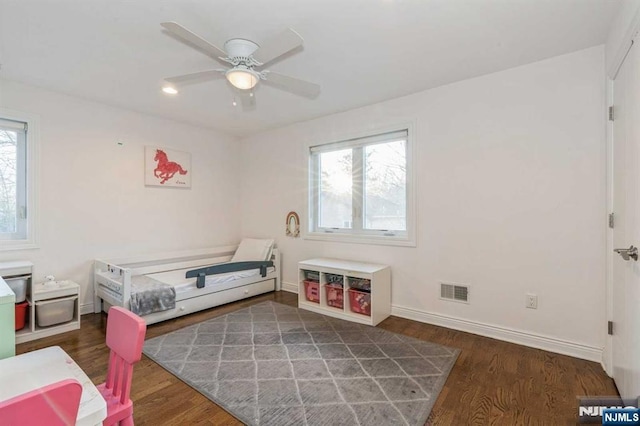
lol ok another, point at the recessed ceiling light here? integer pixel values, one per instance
(170, 90)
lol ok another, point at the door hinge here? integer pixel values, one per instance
(611, 116)
(611, 220)
(610, 328)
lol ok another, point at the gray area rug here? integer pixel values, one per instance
(272, 364)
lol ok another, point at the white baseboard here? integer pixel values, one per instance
(86, 308)
(524, 338)
(290, 287)
(550, 344)
(533, 340)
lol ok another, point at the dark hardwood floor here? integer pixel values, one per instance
(492, 382)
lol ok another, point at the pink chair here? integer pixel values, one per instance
(125, 337)
(56, 404)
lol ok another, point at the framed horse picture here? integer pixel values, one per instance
(166, 167)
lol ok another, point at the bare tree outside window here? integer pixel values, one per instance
(336, 186)
(16, 184)
(8, 181)
(385, 186)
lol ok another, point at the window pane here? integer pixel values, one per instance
(385, 186)
(8, 180)
(335, 189)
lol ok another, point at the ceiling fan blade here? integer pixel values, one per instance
(194, 39)
(277, 46)
(293, 85)
(195, 77)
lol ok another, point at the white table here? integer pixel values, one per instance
(32, 370)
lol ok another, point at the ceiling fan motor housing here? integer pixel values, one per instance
(240, 48)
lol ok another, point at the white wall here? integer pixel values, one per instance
(511, 200)
(92, 198)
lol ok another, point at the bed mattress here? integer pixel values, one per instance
(177, 279)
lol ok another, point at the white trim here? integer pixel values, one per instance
(290, 287)
(86, 308)
(360, 142)
(359, 239)
(524, 338)
(518, 337)
(631, 36)
(33, 167)
(607, 354)
(625, 45)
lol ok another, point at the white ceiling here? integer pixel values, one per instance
(359, 51)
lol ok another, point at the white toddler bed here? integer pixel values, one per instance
(129, 282)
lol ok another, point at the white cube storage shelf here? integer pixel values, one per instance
(54, 308)
(378, 275)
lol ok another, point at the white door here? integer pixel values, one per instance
(626, 232)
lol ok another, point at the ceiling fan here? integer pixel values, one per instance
(245, 57)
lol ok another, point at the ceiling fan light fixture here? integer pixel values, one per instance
(243, 79)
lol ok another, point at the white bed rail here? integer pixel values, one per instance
(112, 278)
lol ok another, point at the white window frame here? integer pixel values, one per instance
(360, 235)
(31, 146)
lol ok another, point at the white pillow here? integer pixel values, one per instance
(251, 249)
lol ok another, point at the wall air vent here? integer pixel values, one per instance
(455, 292)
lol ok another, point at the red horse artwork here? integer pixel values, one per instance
(165, 168)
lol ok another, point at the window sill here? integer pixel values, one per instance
(360, 239)
(18, 245)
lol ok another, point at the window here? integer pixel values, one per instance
(15, 195)
(360, 189)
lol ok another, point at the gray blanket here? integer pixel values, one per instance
(149, 295)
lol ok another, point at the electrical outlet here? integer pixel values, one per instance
(532, 301)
